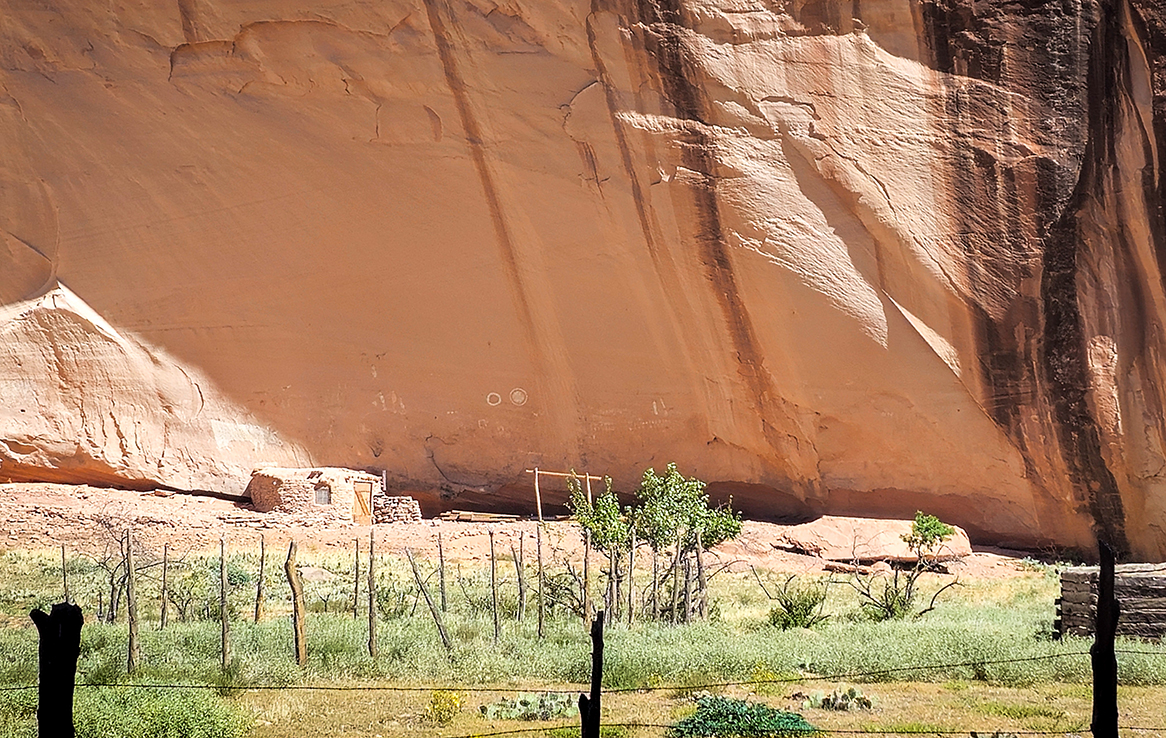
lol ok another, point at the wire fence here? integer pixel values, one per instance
(642, 689)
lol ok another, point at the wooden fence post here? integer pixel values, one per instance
(64, 574)
(518, 570)
(297, 589)
(224, 613)
(441, 571)
(356, 580)
(372, 596)
(494, 587)
(429, 601)
(539, 547)
(589, 706)
(702, 584)
(259, 594)
(631, 578)
(60, 645)
(1102, 652)
(586, 577)
(164, 606)
(131, 607)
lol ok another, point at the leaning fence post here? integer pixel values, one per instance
(297, 589)
(1102, 652)
(429, 601)
(60, 645)
(589, 706)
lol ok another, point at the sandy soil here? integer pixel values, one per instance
(86, 518)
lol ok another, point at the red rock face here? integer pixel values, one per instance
(852, 257)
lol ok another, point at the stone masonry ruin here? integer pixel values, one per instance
(328, 494)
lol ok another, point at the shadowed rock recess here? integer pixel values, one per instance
(859, 257)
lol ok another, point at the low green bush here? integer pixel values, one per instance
(723, 717)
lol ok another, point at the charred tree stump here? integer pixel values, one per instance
(1102, 652)
(60, 645)
(589, 706)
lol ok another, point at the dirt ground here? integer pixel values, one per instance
(85, 518)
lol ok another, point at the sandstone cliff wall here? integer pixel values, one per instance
(849, 256)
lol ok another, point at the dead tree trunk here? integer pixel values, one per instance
(60, 645)
(297, 589)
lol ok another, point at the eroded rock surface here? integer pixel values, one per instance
(859, 257)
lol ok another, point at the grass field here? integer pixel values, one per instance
(983, 660)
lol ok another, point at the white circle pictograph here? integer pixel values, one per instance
(493, 399)
(518, 396)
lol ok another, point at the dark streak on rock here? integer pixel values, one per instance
(1033, 358)
(663, 22)
(474, 138)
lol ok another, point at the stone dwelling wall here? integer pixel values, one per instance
(294, 490)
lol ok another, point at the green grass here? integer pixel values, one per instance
(974, 626)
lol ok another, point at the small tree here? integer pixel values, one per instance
(893, 597)
(671, 512)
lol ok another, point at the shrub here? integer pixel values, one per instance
(798, 606)
(444, 706)
(893, 597)
(726, 716)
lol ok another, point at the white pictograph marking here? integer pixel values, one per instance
(493, 399)
(518, 396)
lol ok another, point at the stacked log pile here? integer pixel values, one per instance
(1140, 590)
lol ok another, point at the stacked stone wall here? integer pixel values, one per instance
(395, 509)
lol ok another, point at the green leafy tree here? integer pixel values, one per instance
(672, 508)
(927, 534)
